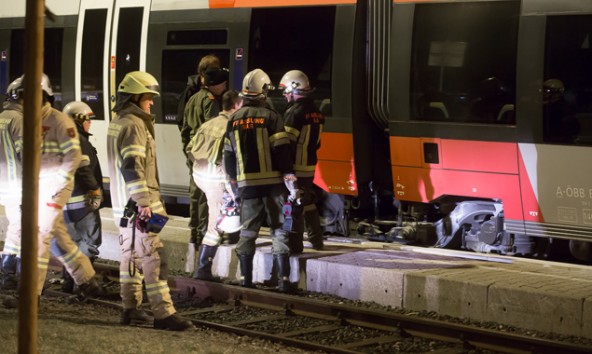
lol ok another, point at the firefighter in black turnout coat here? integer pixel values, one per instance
(257, 162)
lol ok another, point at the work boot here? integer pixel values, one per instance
(10, 266)
(68, 284)
(246, 267)
(173, 323)
(315, 231)
(90, 289)
(282, 262)
(134, 316)
(206, 256)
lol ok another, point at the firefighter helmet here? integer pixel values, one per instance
(256, 84)
(15, 89)
(137, 83)
(79, 111)
(229, 220)
(46, 85)
(18, 86)
(295, 82)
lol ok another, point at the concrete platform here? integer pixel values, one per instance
(537, 295)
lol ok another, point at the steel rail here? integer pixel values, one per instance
(467, 336)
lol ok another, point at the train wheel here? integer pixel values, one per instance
(581, 250)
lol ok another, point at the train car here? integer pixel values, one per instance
(93, 44)
(471, 118)
(490, 123)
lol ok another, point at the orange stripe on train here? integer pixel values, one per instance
(283, 3)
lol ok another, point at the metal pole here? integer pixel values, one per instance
(28, 302)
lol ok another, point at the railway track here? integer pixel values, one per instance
(312, 324)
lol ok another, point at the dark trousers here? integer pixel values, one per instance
(253, 214)
(86, 233)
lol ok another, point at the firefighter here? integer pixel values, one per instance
(206, 150)
(258, 165)
(11, 144)
(135, 197)
(60, 157)
(82, 210)
(304, 124)
(201, 106)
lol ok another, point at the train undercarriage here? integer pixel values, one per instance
(455, 223)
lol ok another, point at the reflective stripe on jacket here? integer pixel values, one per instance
(60, 154)
(88, 178)
(304, 125)
(11, 145)
(131, 151)
(256, 149)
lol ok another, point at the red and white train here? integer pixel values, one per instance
(472, 117)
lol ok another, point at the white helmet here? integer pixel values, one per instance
(18, 86)
(229, 220)
(15, 89)
(46, 85)
(296, 82)
(256, 84)
(79, 111)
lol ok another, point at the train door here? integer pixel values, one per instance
(110, 42)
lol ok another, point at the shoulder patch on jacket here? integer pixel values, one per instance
(71, 132)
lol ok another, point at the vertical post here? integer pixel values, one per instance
(34, 37)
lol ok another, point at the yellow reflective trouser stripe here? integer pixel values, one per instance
(65, 175)
(212, 240)
(10, 248)
(125, 277)
(42, 264)
(161, 287)
(71, 256)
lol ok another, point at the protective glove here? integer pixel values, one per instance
(95, 198)
(290, 181)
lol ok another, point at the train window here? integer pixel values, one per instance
(463, 66)
(177, 65)
(52, 64)
(129, 33)
(300, 38)
(93, 46)
(567, 85)
(197, 37)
